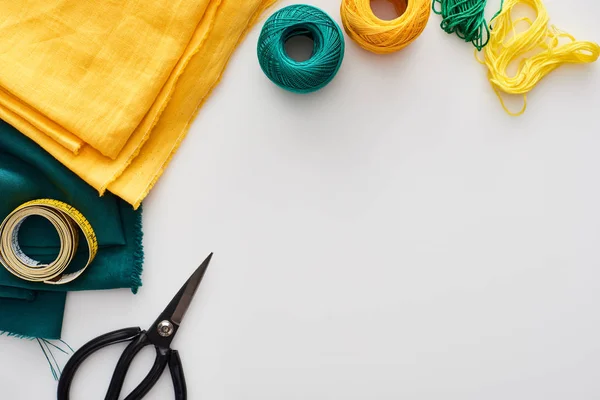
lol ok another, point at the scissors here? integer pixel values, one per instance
(160, 334)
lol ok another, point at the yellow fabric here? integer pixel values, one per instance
(109, 88)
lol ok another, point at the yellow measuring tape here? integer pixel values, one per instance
(65, 220)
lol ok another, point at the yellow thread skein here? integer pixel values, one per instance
(379, 36)
(540, 39)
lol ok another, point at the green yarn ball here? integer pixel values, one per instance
(466, 19)
(328, 48)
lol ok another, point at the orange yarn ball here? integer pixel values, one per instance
(380, 36)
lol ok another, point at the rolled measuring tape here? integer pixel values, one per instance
(66, 220)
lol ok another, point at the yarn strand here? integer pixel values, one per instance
(508, 46)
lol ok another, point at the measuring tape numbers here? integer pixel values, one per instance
(66, 220)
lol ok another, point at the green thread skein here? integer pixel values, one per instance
(466, 19)
(327, 55)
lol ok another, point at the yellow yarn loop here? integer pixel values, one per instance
(380, 36)
(535, 52)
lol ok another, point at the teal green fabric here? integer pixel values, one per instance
(27, 172)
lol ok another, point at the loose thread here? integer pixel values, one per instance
(53, 358)
(66, 344)
(50, 358)
(52, 369)
(48, 343)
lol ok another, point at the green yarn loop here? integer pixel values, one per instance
(466, 19)
(327, 55)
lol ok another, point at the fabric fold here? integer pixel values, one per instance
(115, 111)
(66, 63)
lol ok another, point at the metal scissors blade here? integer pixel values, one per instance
(163, 330)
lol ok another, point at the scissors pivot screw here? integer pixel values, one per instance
(165, 328)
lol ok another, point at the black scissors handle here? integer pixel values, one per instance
(164, 357)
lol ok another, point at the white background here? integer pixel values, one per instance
(393, 236)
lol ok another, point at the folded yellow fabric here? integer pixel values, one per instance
(109, 88)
